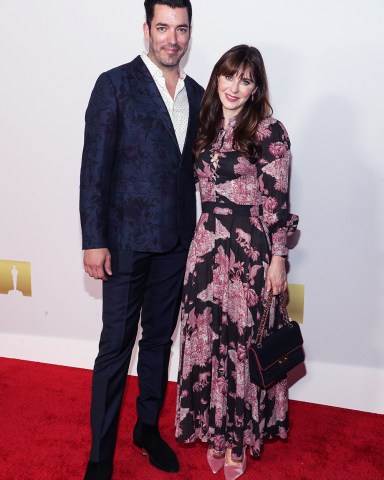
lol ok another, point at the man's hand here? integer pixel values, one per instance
(97, 263)
(276, 276)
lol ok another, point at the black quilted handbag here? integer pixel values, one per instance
(271, 357)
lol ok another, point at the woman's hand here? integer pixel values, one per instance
(276, 275)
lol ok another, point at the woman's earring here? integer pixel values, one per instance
(252, 96)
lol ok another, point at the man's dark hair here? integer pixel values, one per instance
(149, 6)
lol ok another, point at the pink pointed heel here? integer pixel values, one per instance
(216, 463)
(231, 472)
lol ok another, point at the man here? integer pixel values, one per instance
(137, 205)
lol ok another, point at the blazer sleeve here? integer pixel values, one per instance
(101, 125)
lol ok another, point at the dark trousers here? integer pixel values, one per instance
(150, 284)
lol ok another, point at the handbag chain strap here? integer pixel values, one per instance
(267, 308)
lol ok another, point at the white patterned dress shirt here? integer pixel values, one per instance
(178, 107)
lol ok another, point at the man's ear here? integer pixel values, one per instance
(146, 30)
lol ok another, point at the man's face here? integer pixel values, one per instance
(168, 36)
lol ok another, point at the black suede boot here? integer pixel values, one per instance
(99, 471)
(160, 453)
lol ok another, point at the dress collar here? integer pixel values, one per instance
(232, 121)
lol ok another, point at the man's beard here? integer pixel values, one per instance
(172, 62)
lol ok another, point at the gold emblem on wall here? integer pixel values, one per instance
(15, 278)
(295, 305)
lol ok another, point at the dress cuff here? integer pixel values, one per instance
(279, 243)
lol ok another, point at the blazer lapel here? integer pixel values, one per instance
(145, 80)
(193, 113)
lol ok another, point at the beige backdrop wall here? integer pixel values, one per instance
(324, 61)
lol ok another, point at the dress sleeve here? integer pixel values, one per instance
(273, 176)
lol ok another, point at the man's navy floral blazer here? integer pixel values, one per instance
(137, 189)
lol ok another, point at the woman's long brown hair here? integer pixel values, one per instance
(240, 60)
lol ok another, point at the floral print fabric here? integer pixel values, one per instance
(244, 221)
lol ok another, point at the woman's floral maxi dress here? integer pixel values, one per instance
(244, 220)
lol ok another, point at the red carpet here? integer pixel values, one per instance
(45, 435)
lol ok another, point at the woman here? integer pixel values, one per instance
(237, 255)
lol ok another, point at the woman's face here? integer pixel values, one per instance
(234, 91)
